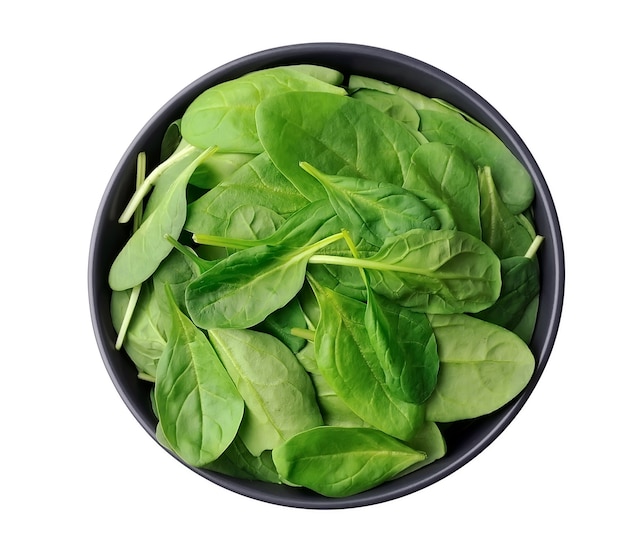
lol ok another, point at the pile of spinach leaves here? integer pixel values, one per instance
(321, 272)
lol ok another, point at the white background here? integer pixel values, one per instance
(79, 475)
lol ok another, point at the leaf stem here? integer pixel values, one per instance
(226, 242)
(201, 263)
(304, 333)
(142, 191)
(134, 294)
(130, 308)
(363, 263)
(534, 246)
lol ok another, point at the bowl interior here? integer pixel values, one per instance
(464, 439)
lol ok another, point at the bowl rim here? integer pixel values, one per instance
(386, 62)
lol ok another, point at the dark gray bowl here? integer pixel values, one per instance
(465, 439)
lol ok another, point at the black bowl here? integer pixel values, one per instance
(465, 440)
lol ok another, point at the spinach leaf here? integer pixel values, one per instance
(439, 271)
(347, 361)
(338, 462)
(225, 113)
(220, 167)
(520, 285)
(238, 462)
(429, 440)
(279, 397)
(484, 149)
(504, 232)
(394, 106)
(334, 134)
(359, 83)
(243, 289)
(282, 321)
(444, 172)
(333, 409)
(257, 185)
(403, 342)
(147, 247)
(526, 325)
(405, 346)
(146, 335)
(374, 210)
(198, 405)
(483, 367)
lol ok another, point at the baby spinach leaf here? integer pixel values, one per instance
(338, 462)
(279, 397)
(146, 336)
(243, 289)
(347, 361)
(429, 440)
(198, 405)
(520, 285)
(394, 106)
(225, 113)
(220, 167)
(403, 342)
(526, 325)
(405, 346)
(280, 323)
(413, 98)
(505, 233)
(256, 185)
(483, 367)
(334, 134)
(238, 462)
(374, 210)
(484, 149)
(444, 172)
(439, 271)
(148, 247)
(334, 411)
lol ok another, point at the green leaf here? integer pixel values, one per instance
(374, 210)
(484, 149)
(334, 134)
(483, 367)
(198, 405)
(520, 285)
(148, 247)
(505, 233)
(347, 361)
(445, 172)
(279, 396)
(238, 462)
(225, 113)
(146, 336)
(439, 271)
(257, 185)
(243, 289)
(337, 462)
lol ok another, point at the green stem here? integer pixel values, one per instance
(534, 246)
(201, 263)
(363, 263)
(130, 308)
(355, 254)
(141, 176)
(134, 294)
(226, 242)
(304, 333)
(142, 191)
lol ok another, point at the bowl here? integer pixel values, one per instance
(465, 440)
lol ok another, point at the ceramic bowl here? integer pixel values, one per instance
(465, 440)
